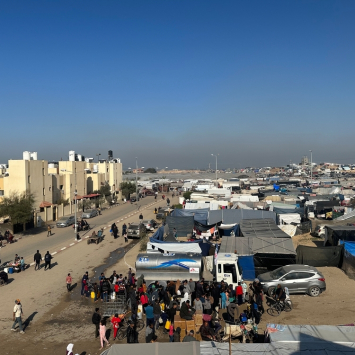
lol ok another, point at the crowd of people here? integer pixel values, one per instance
(160, 305)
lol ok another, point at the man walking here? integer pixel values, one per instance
(37, 258)
(47, 259)
(141, 218)
(96, 318)
(69, 280)
(16, 316)
(49, 230)
(83, 282)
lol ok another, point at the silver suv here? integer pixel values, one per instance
(65, 221)
(136, 230)
(297, 278)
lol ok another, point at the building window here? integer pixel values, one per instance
(44, 191)
(43, 171)
(1, 192)
(60, 187)
(50, 188)
(29, 179)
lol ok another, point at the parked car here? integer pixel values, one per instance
(319, 231)
(136, 230)
(150, 224)
(65, 221)
(89, 213)
(297, 278)
(149, 193)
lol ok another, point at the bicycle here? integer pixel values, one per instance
(122, 331)
(277, 307)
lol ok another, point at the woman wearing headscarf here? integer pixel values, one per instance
(70, 349)
(103, 334)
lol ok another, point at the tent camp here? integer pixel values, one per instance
(182, 224)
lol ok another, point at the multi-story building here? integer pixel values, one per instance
(55, 182)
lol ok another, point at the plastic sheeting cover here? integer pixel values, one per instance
(289, 229)
(175, 247)
(235, 216)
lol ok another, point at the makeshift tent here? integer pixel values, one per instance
(235, 216)
(311, 334)
(203, 227)
(324, 348)
(261, 228)
(183, 225)
(227, 229)
(284, 210)
(174, 247)
(349, 259)
(246, 262)
(288, 218)
(289, 229)
(200, 215)
(159, 233)
(269, 253)
(188, 348)
(321, 256)
(335, 233)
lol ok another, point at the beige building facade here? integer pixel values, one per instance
(53, 183)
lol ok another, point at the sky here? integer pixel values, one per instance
(171, 82)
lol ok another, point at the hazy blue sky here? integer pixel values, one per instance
(259, 82)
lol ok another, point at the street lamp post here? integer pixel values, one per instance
(98, 156)
(215, 155)
(76, 201)
(137, 197)
(311, 169)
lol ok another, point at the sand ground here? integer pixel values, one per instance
(59, 318)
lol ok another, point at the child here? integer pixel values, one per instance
(116, 320)
(171, 333)
(223, 300)
(125, 238)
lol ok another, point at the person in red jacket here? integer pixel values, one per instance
(116, 320)
(239, 293)
(144, 300)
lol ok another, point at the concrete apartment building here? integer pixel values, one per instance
(54, 182)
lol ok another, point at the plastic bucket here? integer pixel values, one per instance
(6, 270)
(92, 294)
(11, 270)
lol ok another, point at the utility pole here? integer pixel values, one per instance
(215, 155)
(311, 170)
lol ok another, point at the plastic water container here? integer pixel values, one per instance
(139, 314)
(92, 294)
(11, 270)
(6, 270)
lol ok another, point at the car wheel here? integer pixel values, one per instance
(270, 291)
(314, 291)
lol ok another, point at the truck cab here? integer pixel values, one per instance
(228, 269)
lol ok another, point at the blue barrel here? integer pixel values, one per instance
(11, 270)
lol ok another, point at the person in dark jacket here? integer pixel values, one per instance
(96, 318)
(189, 337)
(172, 312)
(132, 334)
(47, 259)
(186, 312)
(207, 334)
(106, 287)
(199, 289)
(156, 312)
(37, 258)
(177, 335)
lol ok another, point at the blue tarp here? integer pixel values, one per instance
(227, 232)
(248, 267)
(205, 248)
(200, 215)
(349, 246)
(159, 234)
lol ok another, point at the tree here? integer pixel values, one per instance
(84, 205)
(105, 190)
(19, 207)
(187, 195)
(127, 188)
(150, 170)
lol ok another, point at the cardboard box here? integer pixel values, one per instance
(180, 324)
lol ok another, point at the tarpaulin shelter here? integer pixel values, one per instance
(261, 228)
(205, 227)
(227, 229)
(159, 233)
(311, 334)
(183, 225)
(349, 259)
(335, 233)
(288, 218)
(200, 215)
(188, 348)
(321, 256)
(236, 215)
(277, 348)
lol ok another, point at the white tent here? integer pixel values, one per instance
(288, 218)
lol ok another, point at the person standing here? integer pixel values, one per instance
(116, 320)
(149, 314)
(141, 218)
(68, 281)
(157, 313)
(49, 230)
(22, 263)
(171, 333)
(149, 332)
(37, 259)
(239, 292)
(96, 319)
(16, 316)
(103, 334)
(47, 259)
(124, 229)
(132, 335)
(83, 282)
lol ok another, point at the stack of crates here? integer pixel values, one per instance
(198, 323)
(180, 323)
